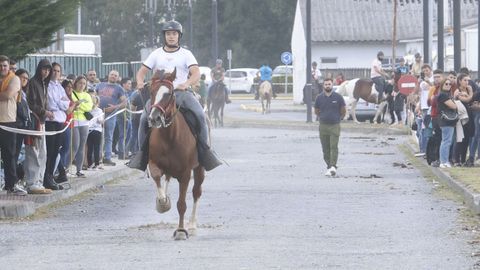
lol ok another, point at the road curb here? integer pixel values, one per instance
(20, 207)
(471, 198)
(366, 129)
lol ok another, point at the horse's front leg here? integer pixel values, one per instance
(354, 111)
(181, 233)
(163, 201)
(221, 115)
(379, 111)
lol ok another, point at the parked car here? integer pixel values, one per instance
(240, 79)
(282, 70)
(278, 78)
(207, 71)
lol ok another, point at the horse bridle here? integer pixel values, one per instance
(171, 103)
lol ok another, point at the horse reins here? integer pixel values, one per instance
(171, 102)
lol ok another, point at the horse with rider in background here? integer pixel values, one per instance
(216, 103)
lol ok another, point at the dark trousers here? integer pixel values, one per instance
(93, 147)
(53, 146)
(7, 147)
(460, 151)
(379, 85)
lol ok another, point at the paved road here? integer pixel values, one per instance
(272, 208)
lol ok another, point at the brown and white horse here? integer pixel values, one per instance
(364, 89)
(172, 152)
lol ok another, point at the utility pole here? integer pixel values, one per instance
(214, 31)
(440, 36)
(308, 86)
(427, 35)
(457, 53)
(394, 39)
(190, 26)
(79, 18)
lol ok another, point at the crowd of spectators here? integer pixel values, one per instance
(86, 123)
(448, 118)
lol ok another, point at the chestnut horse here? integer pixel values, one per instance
(265, 93)
(172, 152)
(216, 103)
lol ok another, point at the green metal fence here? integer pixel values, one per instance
(80, 64)
(77, 64)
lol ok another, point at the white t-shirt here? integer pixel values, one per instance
(378, 64)
(424, 89)
(182, 59)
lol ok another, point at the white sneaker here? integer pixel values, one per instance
(333, 171)
(328, 172)
(445, 165)
(37, 189)
(17, 190)
(420, 154)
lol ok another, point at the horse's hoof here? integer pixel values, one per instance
(180, 234)
(163, 205)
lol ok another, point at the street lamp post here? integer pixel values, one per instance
(308, 86)
(214, 31)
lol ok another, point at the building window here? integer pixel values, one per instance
(329, 60)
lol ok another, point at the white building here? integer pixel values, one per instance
(349, 33)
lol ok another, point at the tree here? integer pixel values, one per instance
(257, 31)
(29, 25)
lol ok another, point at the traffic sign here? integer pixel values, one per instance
(407, 84)
(286, 58)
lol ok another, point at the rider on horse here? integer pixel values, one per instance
(169, 57)
(218, 75)
(265, 75)
(377, 74)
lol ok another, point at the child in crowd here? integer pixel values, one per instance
(95, 135)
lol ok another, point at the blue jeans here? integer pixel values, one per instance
(65, 158)
(132, 145)
(421, 133)
(123, 133)
(447, 136)
(109, 129)
(475, 140)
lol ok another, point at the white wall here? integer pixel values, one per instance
(471, 49)
(299, 45)
(352, 55)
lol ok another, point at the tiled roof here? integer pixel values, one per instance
(372, 20)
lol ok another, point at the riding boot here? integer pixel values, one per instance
(140, 160)
(257, 95)
(207, 157)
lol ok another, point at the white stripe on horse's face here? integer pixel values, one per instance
(155, 114)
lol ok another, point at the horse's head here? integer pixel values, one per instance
(162, 99)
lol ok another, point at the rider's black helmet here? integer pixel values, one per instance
(172, 26)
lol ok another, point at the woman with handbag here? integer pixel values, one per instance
(447, 109)
(464, 93)
(81, 118)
